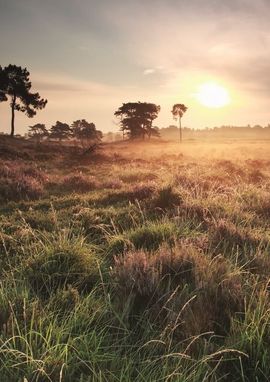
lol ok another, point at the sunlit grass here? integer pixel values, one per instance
(149, 267)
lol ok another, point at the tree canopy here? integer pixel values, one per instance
(85, 131)
(15, 85)
(60, 131)
(38, 132)
(178, 111)
(136, 118)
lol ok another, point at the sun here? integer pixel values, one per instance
(212, 95)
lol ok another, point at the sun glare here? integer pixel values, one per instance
(212, 95)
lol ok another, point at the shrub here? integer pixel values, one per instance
(135, 273)
(142, 273)
(180, 279)
(167, 197)
(79, 183)
(142, 191)
(225, 233)
(18, 181)
(11, 169)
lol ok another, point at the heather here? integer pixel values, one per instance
(144, 261)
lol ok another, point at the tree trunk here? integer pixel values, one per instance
(13, 103)
(180, 129)
(150, 131)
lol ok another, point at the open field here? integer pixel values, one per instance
(142, 262)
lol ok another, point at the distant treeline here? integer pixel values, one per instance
(227, 131)
(80, 131)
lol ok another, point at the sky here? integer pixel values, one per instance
(87, 57)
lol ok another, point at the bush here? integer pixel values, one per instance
(142, 272)
(167, 197)
(18, 181)
(79, 183)
(180, 279)
(224, 233)
(142, 191)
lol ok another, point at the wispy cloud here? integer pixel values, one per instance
(146, 72)
(221, 39)
(156, 70)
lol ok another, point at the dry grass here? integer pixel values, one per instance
(163, 281)
(147, 250)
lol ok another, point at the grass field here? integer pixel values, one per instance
(142, 262)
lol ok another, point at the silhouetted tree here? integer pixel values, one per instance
(15, 84)
(137, 118)
(3, 85)
(85, 132)
(60, 131)
(38, 132)
(178, 111)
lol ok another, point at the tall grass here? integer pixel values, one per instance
(154, 269)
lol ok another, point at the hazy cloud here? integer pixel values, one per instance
(146, 72)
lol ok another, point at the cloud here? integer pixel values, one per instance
(222, 38)
(146, 72)
(57, 82)
(156, 70)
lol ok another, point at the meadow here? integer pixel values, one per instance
(144, 261)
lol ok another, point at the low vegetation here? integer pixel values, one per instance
(144, 262)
